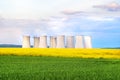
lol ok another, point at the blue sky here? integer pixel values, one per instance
(97, 18)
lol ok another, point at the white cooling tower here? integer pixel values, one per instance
(70, 42)
(79, 42)
(52, 42)
(26, 42)
(36, 42)
(60, 41)
(87, 42)
(43, 42)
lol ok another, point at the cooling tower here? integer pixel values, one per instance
(79, 42)
(52, 42)
(70, 42)
(43, 42)
(60, 41)
(36, 42)
(26, 42)
(87, 42)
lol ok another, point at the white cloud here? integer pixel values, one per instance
(44, 8)
(114, 6)
(77, 17)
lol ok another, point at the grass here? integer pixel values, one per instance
(58, 68)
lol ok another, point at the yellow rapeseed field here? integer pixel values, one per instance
(83, 53)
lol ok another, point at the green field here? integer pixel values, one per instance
(57, 68)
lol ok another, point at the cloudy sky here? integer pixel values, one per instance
(97, 18)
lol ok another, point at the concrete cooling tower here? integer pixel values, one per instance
(43, 42)
(70, 41)
(26, 42)
(79, 42)
(36, 42)
(87, 42)
(61, 41)
(53, 42)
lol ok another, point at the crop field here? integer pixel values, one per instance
(58, 68)
(81, 53)
(59, 64)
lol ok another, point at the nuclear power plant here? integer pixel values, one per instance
(70, 41)
(60, 41)
(53, 42)
(79, 42)
(43, 42)
(87, 42)
(36, 42)
(26, 42)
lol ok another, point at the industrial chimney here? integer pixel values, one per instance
(61, 41)
(70, 41)
(43, 42)
(36, 42)
(79, 42)
(87, 42)
(52, 42)
(26, 42)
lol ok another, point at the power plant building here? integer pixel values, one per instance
(43, 42)
(53, 42)
(36, 42)
(79, 42)
(26, 42)
(60, 41)
(87, 42)
(70, 41)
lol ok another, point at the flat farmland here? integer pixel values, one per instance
(30, 66)
(62, 52)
